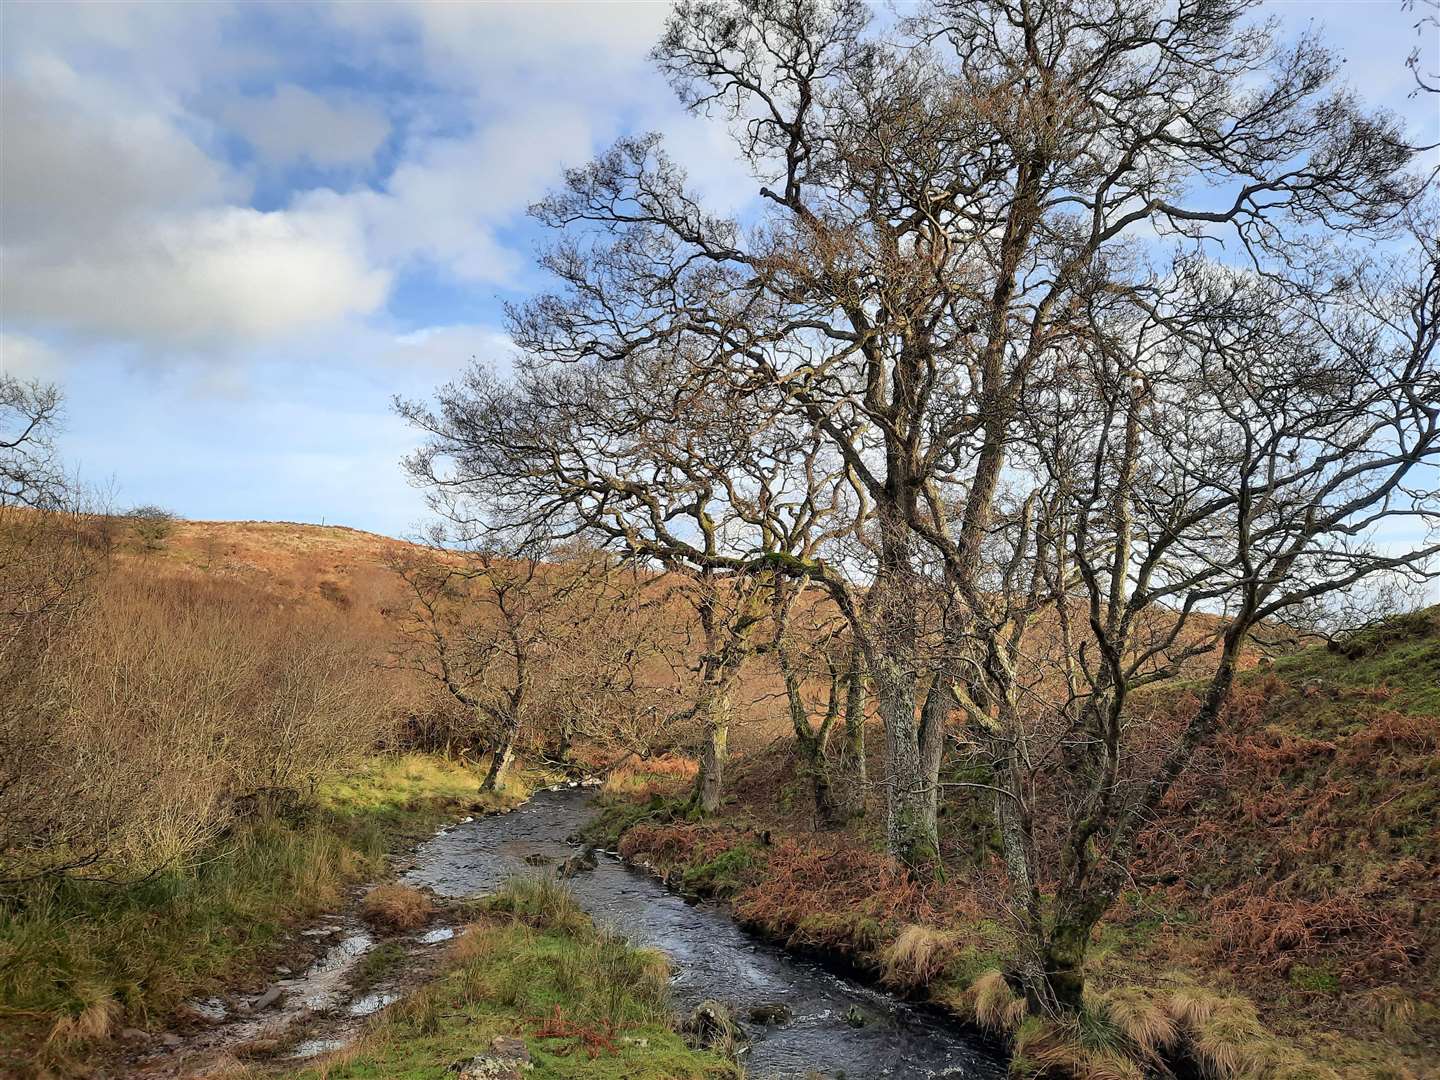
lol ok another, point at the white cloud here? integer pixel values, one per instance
(28, 358)
(294, 124)
(451, 348)
(79, 155)
(445, 203)
(211, 278)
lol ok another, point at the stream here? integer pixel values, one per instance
(837, 1027)
(712, 956)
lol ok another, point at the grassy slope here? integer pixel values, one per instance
(1297, 866)
(78, 958)
(586, 1003)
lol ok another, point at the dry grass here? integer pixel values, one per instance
(1143, 1020)
(917, 957)
(396, 908)
(997, 1006)
(1222, 1032)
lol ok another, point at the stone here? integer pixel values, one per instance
(711, 1025)
(774, 1012)
(133, 1035)
(488, 1067)
(507, 1046)
(578, 863)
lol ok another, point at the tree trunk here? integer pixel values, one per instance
(909, 827)
(1062, 956)
(714, 712)
(853, 756)
(934, 717)
(501, 760)
(813, 744)
(852, 778)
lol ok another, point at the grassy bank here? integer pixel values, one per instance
(1282, 921)
(80, 959)
(533, 967)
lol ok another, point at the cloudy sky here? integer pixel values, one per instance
(232, 232)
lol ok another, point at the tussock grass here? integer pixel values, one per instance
(1144, 1021)
(396, 907)
(917, 957)
(540, 901)
(997, 1006)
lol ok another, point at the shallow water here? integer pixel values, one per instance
(713, 957)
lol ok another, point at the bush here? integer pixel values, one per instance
(152, 525)
(162, 710)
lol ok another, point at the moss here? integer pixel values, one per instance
(726, 873)
(1314, 978)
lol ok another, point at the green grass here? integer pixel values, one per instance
(620, 814)
(78, 958)
(535, 957)
(1401, 655)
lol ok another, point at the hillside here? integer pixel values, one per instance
(330, 563)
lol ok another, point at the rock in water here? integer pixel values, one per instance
(774, 1012)
(578, 863)
(711, 1025)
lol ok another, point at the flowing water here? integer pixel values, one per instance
(712, 956)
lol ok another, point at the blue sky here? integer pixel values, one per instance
(232, 232)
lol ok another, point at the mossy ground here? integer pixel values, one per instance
(586, 1003)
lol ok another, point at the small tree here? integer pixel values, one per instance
(152, 525)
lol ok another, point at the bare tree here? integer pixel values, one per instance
(1228, 462)
(486, 628)
(939, 208)
(811, 646)
(1428, 22)
(671, 471)
(29, 412)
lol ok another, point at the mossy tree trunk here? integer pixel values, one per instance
(813, 743)
(853, 768)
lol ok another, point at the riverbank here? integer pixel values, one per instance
(82, 961)
(1281, 924)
